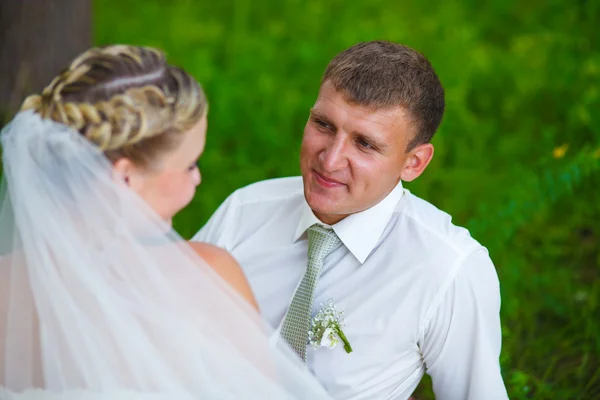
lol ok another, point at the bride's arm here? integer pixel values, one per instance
(227, 267)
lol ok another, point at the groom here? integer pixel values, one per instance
(418, 294)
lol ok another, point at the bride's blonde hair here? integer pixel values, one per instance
(127, 100)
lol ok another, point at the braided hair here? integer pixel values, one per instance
(125, 99)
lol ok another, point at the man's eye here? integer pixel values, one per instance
(364, 144)
(322, 124)
(192, 167)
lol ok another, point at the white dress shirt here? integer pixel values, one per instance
(418, 293)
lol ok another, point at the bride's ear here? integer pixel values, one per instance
(125, 170)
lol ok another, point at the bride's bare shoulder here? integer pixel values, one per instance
(227, 267)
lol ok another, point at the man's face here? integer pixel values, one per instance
(352, 157)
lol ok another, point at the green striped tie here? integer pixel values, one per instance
(321, 242)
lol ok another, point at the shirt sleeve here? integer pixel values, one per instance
(462, 335)
(219, 228)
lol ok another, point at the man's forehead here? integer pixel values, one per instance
(328, 93)
(327, 105)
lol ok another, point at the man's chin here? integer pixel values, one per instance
(328, 213)
(321, 204)
(329, 218)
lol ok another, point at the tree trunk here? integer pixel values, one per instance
(37, 39)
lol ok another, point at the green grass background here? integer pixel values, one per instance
(517, 155)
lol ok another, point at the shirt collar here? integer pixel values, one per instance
(359, 232)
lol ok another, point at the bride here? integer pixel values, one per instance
(99, 297)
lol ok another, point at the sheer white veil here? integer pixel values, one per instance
(99, 295)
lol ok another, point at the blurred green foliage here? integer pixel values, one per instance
(517, 155)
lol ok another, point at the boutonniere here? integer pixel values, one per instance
(326, 328)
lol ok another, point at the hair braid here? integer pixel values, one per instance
(118, 97)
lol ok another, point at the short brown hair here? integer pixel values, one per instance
(381, 74)
(127, 100)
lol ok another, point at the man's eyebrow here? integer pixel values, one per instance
(316, 113)
(378, 144)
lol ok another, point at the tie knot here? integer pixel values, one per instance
(321, 241)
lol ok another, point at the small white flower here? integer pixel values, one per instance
(329, 339)
(326, 328)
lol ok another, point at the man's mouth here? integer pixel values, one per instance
(325, 181)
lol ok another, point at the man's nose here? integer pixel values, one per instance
(334, 156)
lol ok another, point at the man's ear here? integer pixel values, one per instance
(128, 172)
(417, 161)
